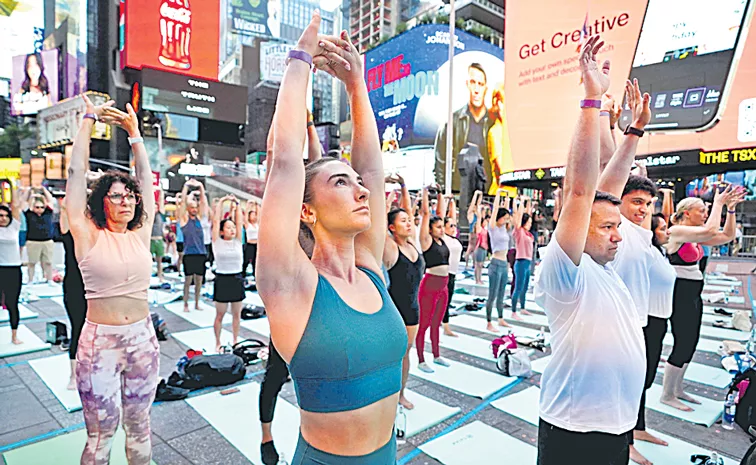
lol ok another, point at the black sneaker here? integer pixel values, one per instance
(721, 311)
(268, 453)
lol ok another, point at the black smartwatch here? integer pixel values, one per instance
(634, 131)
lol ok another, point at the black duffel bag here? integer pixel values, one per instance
(213, 370)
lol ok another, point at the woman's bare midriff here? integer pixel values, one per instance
(501, 255)
(440, 270)
(352, 433)
(117, 311)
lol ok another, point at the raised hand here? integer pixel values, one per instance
(308, 41)
(96, 109)
(340, 58)
(722, 197)
(639, 104)
(595, 79)
(127, 121)
(736, 196)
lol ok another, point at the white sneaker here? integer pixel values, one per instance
(441, 361)
(425, 368)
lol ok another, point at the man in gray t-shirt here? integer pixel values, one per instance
(157, 244)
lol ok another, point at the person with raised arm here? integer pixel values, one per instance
(10, 256)
(692, 227)
(331, 317)
(118, 358)
(405, 265)
(499, 237)
(39, 236)
(472, 220)
(524, 243)
(193, 206)
(637, 257)
(157, 243)
(589, 400)
(455, 255)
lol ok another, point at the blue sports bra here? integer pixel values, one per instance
(347, 359)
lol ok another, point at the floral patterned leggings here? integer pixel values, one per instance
(117, 370)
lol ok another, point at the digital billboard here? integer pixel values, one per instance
(178, 36)
(408, 81)
(697, 62)
(256, 17)
(169, 93)
(34, 85)
(18, 22)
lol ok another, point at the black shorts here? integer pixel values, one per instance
(179, 247)
(228, 288)
(410, 314)
(194, 264)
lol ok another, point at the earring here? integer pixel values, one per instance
(314, 220)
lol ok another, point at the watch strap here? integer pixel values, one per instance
(590, 103)
(634, 131)
(91, 116)
(299, 55)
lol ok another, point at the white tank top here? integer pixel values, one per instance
(228, 256)
(252, 232)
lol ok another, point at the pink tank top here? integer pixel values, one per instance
(119, 265)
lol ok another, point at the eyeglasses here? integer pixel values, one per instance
(119, 198)
(452, 225)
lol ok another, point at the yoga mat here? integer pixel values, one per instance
(44, 289)
(23, 314)
(156, 297)
(426, 414)
(470, 345)
(471, 283)
(718, 299)
(534, 319)
(204, 318)
(523, 404)
(479, 324)
(705, 414)
(31, 343)
(469, 299)
(202, 339)
(712, 318)
(725, 282)
(718, 288)
(460, 377)
(242, 430)
(704, 374)
(59, 301)
(677, 451)
(704, 345)
(253, 298)
(260, 326)
(724, 333)
(66, 450)
(55, 372)
(539, 365)
(486, 444)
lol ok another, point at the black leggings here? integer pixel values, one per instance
(276, 374)
(10, 289)
(76, 308)
(250, 256)
(450, 287)
(653, 334)
(687, 312)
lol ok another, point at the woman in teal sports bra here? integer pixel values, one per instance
(331, 317)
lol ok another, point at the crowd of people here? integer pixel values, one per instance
(353, 279)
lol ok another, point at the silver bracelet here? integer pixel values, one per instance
(135, 140)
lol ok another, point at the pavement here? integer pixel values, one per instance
(31, 413)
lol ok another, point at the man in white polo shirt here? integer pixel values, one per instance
(636, 254)
(591, 389)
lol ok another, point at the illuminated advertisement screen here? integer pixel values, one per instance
(35, 82)
(181, 95)
(696, 60)
(256, 17)
(408, 81)
(171, 35)
(18, 20)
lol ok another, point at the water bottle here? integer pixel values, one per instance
(401, 423)
(541, 334)
(282, 460)
(728, 418)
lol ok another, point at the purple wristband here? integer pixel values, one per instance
(299, 55)
(604, 113)
(588, 103)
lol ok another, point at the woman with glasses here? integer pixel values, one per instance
(10, 258)
(118, 355)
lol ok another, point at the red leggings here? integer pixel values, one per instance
(434, 296)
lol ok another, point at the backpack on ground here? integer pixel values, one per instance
(160, 326)
(212, 370)
(249, 350)
(56, 332)
(745, 385)
(252, 312)
(514, 362)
